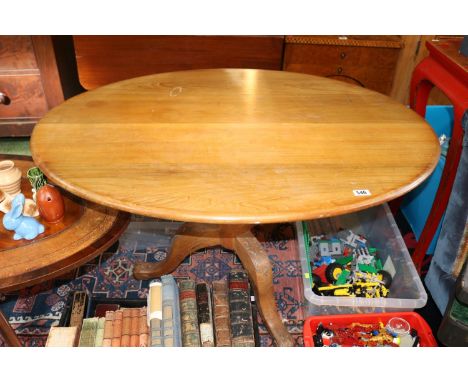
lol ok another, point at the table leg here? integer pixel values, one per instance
(7, 332)
(192, 237)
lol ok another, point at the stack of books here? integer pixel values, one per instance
(120, 328)
(202, 315)
(177, 314)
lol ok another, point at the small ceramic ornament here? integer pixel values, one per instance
(10, 177)
(30, 208)
(48, 198)
(25, 227)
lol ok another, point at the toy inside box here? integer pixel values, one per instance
(370, 271)
(401, 329)
(345, 265)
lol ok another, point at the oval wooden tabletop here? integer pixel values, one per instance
(85, 231)
(234, 146)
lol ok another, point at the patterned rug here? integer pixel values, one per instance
(34, 310)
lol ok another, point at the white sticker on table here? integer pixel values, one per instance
(361, 192)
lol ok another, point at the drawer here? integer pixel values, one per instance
(25, 97)
(16, 52)
(372, 67)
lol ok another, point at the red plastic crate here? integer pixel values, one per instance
(426, 339)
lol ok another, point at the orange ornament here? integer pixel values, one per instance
(50, 203)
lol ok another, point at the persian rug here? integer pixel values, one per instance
(32, 311)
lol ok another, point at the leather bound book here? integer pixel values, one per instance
(155, 313)
(240, 311)
(108, 329)
(134, 327)
(188, 313)
(205, 317)
(253, 303)
(100, 332)
(126, 323)
(171, 312)
(117, 328)
(143, 328)
(88, 332)
(62, 336)
(221, 313)
(78, 309)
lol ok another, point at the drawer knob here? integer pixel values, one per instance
(4, 99)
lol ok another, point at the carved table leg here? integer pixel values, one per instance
(7, 332)
(255, 260)
(192, 237)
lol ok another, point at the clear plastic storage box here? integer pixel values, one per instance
(378, 226)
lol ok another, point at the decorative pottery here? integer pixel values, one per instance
(10, 177)
(50, 203)
(29, 209)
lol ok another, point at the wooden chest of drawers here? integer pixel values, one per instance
(367, 61)
(29, 82)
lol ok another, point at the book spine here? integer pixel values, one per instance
(156, 332)
(253, 303)
(108, 329)
(134, 327)
(205, 317)
(62, 336)
(240, 311)
(155, 314)
(88, 332)
(171, 316)
(117, 329)
(188, 314)
(143, 328)
(221, 313)
(78, 309)
(176, 322)
(126, 323)
(100, 332)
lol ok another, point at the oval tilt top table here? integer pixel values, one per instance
(224, 149)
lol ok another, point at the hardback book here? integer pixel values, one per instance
(117, 328)
(79, 303)
(108, 329)
(143, 328)
(188, 313)
(253, 303)
(126, 324)
(221, 313)
(240, 310)
(88, 332)
(62, 336)
(100, 332)
(171, 312)
(155, 313)
(134, 327)
(205, 316)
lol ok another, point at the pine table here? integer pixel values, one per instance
(225, 149)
